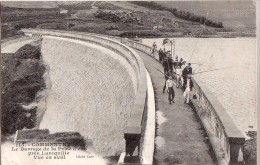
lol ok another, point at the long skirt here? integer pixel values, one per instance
(186, 94)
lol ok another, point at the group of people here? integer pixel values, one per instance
(178, 70)
(175, 69)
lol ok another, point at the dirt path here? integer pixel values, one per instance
(180, 139)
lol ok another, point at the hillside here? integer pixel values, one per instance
(238, 15)
(127, 19)
(30, 4)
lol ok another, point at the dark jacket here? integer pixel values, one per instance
(179, 64)
(160, 55)
(170, 61)
(175, 64)
(165, 64)
(187, 70)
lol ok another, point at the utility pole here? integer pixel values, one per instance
(171, 49)
(173, 52)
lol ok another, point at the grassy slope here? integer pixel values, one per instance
(83, 19)
(240, 14)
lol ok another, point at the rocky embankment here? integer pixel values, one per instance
(22, 79)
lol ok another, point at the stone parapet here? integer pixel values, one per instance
(224, 135)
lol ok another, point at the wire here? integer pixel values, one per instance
(211, 70)
(199, 35)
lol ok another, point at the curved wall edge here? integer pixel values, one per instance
(135, 123)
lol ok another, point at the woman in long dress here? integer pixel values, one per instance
(189, 86)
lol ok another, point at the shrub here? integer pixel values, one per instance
(28, 52)
(180, 14)
(107, 16)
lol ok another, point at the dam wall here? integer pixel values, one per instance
(225, 138)
(71, 47)
(85, 95)
(112, 45)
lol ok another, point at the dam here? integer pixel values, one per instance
(95, 120)
(75, 103)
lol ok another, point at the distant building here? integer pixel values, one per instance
(63, 11)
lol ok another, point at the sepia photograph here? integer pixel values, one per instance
(129, 82)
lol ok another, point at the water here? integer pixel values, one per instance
(234, 84)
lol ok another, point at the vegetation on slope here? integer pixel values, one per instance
(180, 14)
(21, 80)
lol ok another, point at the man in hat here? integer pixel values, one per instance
(154, 49)
(180, 63)
(182, 68)
(175, 62)
(170, 62)
(165, 65)
(170, 90)
(166, 76)
(161, 55)
(186, 71)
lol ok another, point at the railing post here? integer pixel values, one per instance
(235, 150)
(132, 137)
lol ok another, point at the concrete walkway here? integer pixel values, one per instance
(180, 139)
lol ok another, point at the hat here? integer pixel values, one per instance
(189, 64)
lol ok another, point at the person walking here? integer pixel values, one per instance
(178, 75)
(165, 65)
(186, 71)
(189, 86)
(164, 54)
(166, 76)
(175, 62)
(154, 49)
(170, 90)
(164, 51)
(170, 63)
(160, 55)
(182, 68)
